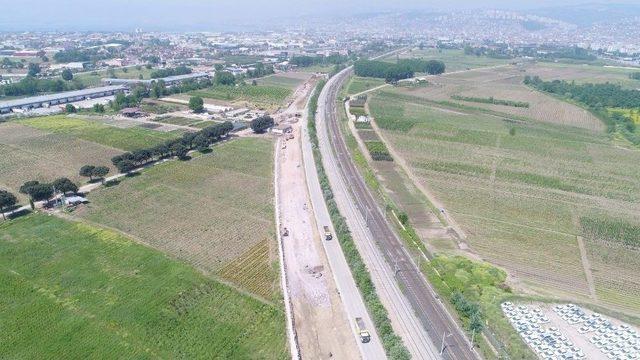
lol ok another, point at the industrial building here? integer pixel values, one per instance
(169, 80)
(59, 98)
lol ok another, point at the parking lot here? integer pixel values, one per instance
(567, 331)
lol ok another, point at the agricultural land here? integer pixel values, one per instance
(269, 93)
(214, 212)
(35, 154)
(541, 191)
(113, 298)
(455, 60)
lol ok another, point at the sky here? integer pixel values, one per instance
(214, 15)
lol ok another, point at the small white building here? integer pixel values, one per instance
(363, 119)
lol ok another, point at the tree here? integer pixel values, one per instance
(179, 150)
(7, 200)
(67, 75)
(261, 124)
(141, 156)
(87, 171)
(99, 108)
(224, 78)
(476, 322)
(196, 104)
(64, 185)
(201, 143)
(69, 109)
(100, 172)
(125, 166)
(404, 218)
(34, 69)
(40, 192)
(25, 188)
(512, 131)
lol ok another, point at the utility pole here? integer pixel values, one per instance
(473, 333)
(443, 346)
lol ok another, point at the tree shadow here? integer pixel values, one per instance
(184, 158)
(132, 174)
(18, 214)
(111, 183)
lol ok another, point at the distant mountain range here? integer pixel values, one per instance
(589, 14)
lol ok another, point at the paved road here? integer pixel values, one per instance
(361, 208)
(349, 293)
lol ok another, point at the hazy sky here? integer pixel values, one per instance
(209, 14)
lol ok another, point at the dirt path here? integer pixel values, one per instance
(399, 159)
(320, 322)
(586, 265)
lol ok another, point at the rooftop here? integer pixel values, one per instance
(57, 96)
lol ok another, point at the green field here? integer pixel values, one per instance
(454, 60)
(520, 194)
(174, 120)
(214, 211)
(93, 78)
(360, 84)
(259, 95)
(281, 80)
(71, 290)
(128, 139)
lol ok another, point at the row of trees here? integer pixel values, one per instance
(431, 67)
(403, 69)
(84, 55)
(32, 86)
(260, 70)
(180, 70)
(200, 141)
(306, 61)
(598, 98)
(389, 71)
(595, 95)
(92, 171)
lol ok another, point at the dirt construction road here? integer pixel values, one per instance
(321, 324)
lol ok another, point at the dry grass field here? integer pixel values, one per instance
(214, 211)
(32, 154)
(506, 83)
(521, 190)
(100, 130)
(455, 60)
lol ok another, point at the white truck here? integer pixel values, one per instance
(327, 233)
(362, 331)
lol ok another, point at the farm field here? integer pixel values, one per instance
(290, 80)
(521, 191)
(454, 60)
(586, 73)
(174, 120)
(70, 283)
(33, 154)
(213, 211)
(93, 78)
(359, 84)
(128, 139)
(506, 84)
(267, 96)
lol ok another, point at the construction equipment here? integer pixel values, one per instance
(362, 331)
